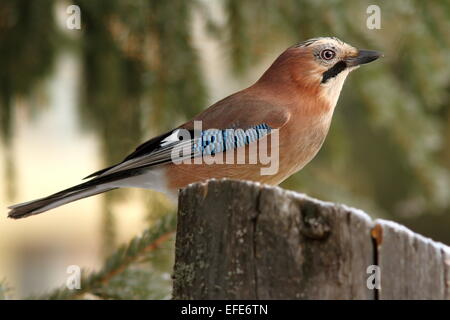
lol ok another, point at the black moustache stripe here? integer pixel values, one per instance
(334, 71)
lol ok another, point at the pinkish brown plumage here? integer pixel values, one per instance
(295, 99)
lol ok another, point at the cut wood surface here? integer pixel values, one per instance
(243, 240)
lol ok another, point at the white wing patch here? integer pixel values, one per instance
(170, 139)
(209, 142)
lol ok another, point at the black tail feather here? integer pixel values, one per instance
(55, 200)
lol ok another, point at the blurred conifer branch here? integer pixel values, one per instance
(142, 74)
(119, 267)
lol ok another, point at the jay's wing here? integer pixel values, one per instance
(227, 114)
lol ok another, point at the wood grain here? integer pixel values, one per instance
(244, 240)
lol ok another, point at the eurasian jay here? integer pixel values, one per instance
(287, 112)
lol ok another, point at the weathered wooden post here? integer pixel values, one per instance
(242, 240)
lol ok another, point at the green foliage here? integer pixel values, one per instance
(150, 278)
(138, 270)
(388, 148)
(27, 46)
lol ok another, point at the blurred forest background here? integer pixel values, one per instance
(74, 101)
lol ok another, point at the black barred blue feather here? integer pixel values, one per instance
(159, 150)
(214, 141)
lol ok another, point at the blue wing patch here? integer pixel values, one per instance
(214, 141)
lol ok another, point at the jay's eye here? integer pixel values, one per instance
(327, 54)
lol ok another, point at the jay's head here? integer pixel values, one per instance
(318, 66)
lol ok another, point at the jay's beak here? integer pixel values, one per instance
(363, 57)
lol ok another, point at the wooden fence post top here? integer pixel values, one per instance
(245, 240)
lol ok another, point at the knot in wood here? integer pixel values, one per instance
(314, 224)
